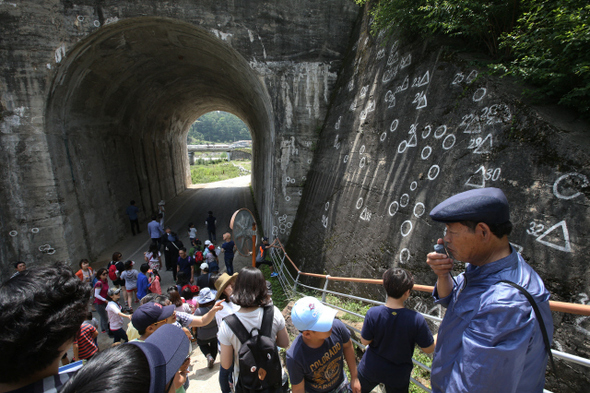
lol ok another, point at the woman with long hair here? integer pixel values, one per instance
(101, 289)
(251, 294)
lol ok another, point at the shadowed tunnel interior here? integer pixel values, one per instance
(118, 113)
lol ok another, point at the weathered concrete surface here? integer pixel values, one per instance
(411, 125)
(96, 99)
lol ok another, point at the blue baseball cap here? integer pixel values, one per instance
(488, 205)
(150, 313)
(309, 313)
(166, 349)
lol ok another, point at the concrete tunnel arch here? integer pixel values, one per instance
(118, 112)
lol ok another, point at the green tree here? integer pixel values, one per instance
(543, 42)
(220, 127)
(551, 49)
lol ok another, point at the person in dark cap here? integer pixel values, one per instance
(491, 338)
(159, 365)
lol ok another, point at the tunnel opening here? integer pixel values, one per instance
(219, 148)
(118, 113)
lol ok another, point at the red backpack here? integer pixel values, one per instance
(113, 272)
(198, 256)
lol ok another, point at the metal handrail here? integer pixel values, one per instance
(285, 275)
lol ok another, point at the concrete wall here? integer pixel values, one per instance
(96, 100)
(410, 125)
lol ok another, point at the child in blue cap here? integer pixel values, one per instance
(316, 359)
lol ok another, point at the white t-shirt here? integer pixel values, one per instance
(192, 233)
(228, 309)
(115, 320)
(250, 320)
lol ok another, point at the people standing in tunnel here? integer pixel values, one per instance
(192, 234)
(172, 246)
(155, 231)
(101, 289)
(153, 257)
(115, 267)
(228, 248)
(131, 212)
(497, 330)
(161, 212)
(210, 222)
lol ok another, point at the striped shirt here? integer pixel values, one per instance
(85, 340)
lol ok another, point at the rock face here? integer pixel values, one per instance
(96, 99)
(411, 125)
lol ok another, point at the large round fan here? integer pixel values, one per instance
(243, 226)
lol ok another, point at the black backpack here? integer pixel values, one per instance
(260, 366)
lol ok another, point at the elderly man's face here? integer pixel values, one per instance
(462, 242)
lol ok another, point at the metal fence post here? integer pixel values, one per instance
(325, 287)
(295, 284)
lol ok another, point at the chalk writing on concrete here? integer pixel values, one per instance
(567, 186)
(557, 236)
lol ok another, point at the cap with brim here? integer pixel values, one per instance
(113, 291)
(488, 205)
(222, 282)
(165, 349)
(204, 266)
(206, 295)
(150, 313)
(308, 313)
(207, 242)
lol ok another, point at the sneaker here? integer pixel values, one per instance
(274, 274)
(210, 361)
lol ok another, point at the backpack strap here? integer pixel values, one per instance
(237, 327)
(539, 318)
(267, 319)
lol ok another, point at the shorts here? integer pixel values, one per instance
(131, 290)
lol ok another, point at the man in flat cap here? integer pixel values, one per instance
(491, 338)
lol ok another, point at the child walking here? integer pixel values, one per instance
(390, 333)
(130, 276)
(155, 280)
(143, 283)
(116, 316)
(207, 335)
(192, 234)
(316, 359)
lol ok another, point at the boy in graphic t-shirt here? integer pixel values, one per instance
(390, 333)
(316, 358)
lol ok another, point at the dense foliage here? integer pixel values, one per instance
(221, 127)
(544, 42)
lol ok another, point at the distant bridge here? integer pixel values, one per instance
(192, 149)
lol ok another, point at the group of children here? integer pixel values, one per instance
(390, 332)
(315, 358)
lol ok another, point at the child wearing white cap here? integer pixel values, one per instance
(315, 360)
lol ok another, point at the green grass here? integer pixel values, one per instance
(350, 305)
(215, 171)
(279, 298)
(419, 373)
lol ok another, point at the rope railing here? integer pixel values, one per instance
(290, 285)
(570, 308)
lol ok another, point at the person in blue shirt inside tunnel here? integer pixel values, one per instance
(491, 338)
